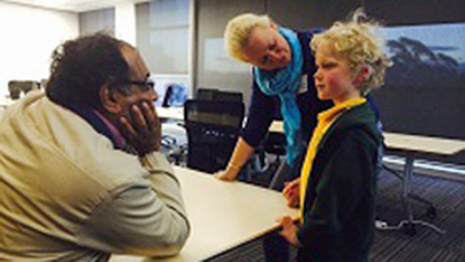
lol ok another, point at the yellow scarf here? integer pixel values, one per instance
(325, 120)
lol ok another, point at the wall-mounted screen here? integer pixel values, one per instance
(424, 92)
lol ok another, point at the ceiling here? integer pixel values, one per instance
(74, 5)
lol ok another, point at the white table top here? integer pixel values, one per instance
(4, 102)
(175, 113)
(425, 144)
(223, 215)
(277, 127)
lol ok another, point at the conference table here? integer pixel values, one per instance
(406, 145)
(174, 113)
(223, 215)
(410, 146)
(4, 102)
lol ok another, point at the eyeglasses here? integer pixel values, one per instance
(147, 85)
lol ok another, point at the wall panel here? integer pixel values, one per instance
(220, 71)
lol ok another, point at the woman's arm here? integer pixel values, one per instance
(241, 154)
(258, 122)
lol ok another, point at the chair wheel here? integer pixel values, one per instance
(410, 229)
(431, 213)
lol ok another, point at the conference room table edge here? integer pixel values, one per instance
(256, 197)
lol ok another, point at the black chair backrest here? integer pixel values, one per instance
(205, 94)
(275, 143)
(217, 95)
(16, 87)
(228, 96)
(212, 130)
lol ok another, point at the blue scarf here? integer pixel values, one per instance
(285, 82)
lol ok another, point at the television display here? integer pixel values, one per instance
(424, 91)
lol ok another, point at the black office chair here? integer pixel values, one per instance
(205, 94)
(217, 95)
(275, 144)
(228, 96)
(212, 130)
(16, 87)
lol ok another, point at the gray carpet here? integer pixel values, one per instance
(426, 245)
(447, 196)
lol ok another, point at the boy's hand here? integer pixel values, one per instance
(291, 192)
(144, 133)
(289, 231)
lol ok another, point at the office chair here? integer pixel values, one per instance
(205, 94)
(275, 144)
(212, 130)
(228, 96)
(217, 95)
(16, 87)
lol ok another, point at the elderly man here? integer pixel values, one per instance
(81, 174)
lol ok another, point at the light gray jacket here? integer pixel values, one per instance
(67, 195)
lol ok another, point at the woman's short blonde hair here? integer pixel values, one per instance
(357, 42)
(237, 33)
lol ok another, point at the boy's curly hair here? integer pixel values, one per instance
(357, 41)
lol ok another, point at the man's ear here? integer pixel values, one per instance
(109, 99)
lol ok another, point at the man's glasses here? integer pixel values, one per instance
(147, 85)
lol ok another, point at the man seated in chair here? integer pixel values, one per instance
(81, 175)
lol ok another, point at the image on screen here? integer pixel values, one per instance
(424, 91)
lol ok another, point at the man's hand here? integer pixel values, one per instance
(291, 192)
(289, 231)
(144, 133)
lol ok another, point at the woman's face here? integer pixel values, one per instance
(267, 48)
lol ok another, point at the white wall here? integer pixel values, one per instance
(28, 37)
(125, 22)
